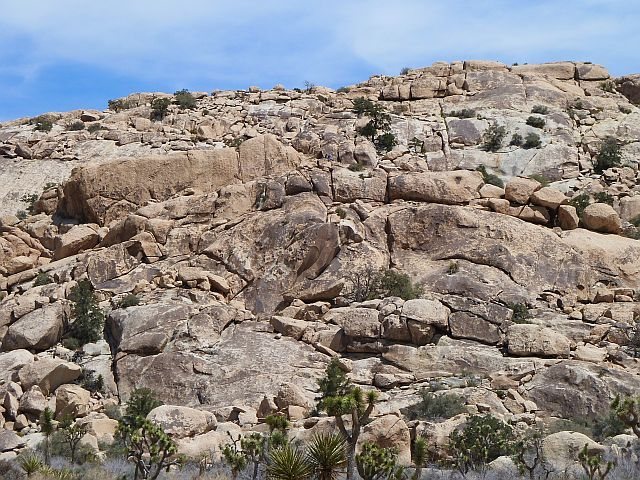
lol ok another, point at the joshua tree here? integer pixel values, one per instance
(340, 398)
(72, 433)
(47, 428)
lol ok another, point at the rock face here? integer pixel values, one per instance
(237, 247)
(182, 422)
(601, 218)
(37, 330)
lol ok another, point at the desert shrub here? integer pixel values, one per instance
(520, 313)
(21, 214)
(435, 407)
(483, 439)
(43, 123)
(130, 300)
(309, 86)
(608, 156)
(185, 99)
(356, 167)
(544, 181)
(405, 71)
(75, 126)
(516, 140)
(30, 199)
(633, 336)
(396, 284)
(490, 178)
(540, 109)
(94, 127)
(42, 278)
(625, 110)
(453, 268)
(532, 140)
(608, 86)
(493, 137)
(120, 104)
(580, 202)
(141, 402)
(603, 197)
(607, 426)
(386, 141)
(88, 317)
(92, 382)
(535, 122)
(159, 108)
(376, 463)
(343, 90)
(464, 113)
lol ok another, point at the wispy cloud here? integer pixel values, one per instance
(119, 46)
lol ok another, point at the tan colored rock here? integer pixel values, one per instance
(350, 186)
(587, 71)
(100, 426)
(208, 443)
(548, 197)
(590, 353)
(466, 325)
(108, 191)
(568, 217)
(359, 322)
(33, 402)
(601, 217)
(491, 191)
(534, 340)
(181, 422)
(389, 431)
(557, 70)
(453, 188)
(48, 374)
(291, 394)
(289, 326)
(265, 155)
(561, 449)
(38, 330)
(430, 312)
(79, 238)
(520, 189)
(72, 400)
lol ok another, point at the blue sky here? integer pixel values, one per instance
(67, 54)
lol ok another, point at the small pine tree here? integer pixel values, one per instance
(609, 155)
(141, 402)
(89, 318)
(47, 427)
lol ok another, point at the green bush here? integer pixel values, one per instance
(540, 109)
(120, 104)
(129, 300)
(464, 113)
(185, 99)
(483, 439)
(490, 178)
(396, 284)
(343, 90)
(608, 86)
(516, 140)
(42, 278)
(42, 123)
(520, 313)
(94, 127)
(532, 140)
(608, 156)
(92, 382)
(580, 202)
(386, 142)
(141, 402)
(88, 321)
(75, 126)
(356, 167)
(493, 137)
(405, 71)
(436, 407)
(608, 426)
(535, 122)
(159, 108)
(30, 200)
(544, 181)
(603, 197)
(453, 268)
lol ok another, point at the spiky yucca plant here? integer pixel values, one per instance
(327, 453)
(288, 463)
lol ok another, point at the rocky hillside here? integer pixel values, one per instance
(250, 227)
